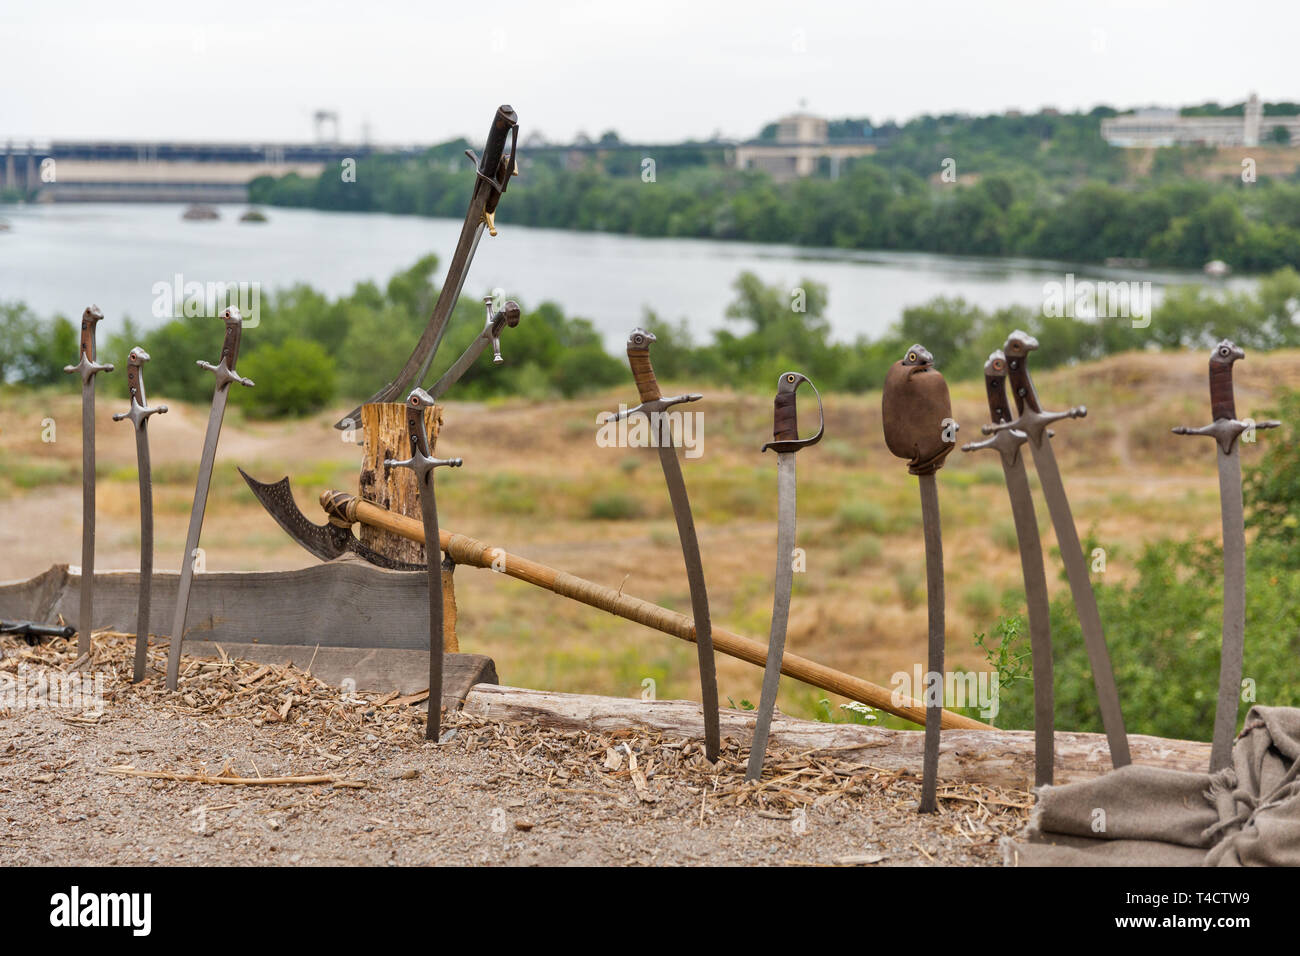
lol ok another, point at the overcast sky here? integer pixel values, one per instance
(655, 71)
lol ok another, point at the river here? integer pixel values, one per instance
(59, 258)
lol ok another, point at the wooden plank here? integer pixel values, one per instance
(994, 757)
(343, 603)
(377, 670)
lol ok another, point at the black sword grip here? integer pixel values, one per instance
(785, 419)
(504, 121)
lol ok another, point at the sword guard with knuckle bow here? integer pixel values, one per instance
(140, 409)
(785, 423)
(86, 365)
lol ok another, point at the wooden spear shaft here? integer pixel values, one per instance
(463, 549)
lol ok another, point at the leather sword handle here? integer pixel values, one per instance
(230, 344)
(415, 430)
(1021, 384)
(643, 373)
(134, 383)
(1223, 404)
(785, 421)
(999, 408)
(89, 319)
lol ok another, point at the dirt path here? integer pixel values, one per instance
(491, 793)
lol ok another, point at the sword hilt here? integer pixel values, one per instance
(86, 365)
(643, 373)
(1034, 421)
(139, 411)
(785, 420)
(1226, 431)
(508, 315)
(225, 367)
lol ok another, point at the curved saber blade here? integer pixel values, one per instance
(672, 469)
(1234, 608)
(783, 584)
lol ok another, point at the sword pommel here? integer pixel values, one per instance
(785, 424)
(87, 367)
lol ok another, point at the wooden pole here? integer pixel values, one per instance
(384, 425)
(466, 550)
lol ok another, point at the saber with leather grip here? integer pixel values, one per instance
(492, 175)
(654, 406)
(87, 367)
(422, 462)
(1226, 430)
(785, 442)
(1008, 443)
(138, 415)
(225, 375)
(1033, 421)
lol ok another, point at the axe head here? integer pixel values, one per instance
(327, 541)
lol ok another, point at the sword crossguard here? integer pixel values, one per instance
(785, 423)
(1226, 431)
(496, 323)
(652, 408)
(224, 375)
(1034, 423)
(86, 365)
(421, 461)
(225, 367)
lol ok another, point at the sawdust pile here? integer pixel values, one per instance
(640, 773)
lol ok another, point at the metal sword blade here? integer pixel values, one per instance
(86, 611)
(145, 469)
(417, 366)
(429, 513)
(1085, 602)
(783, 583)
(459, 367)
(219, 397)
(934, 663)
(1040, 620)
(1234, 608)
(672, 469)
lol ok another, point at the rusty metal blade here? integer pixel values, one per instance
(1234, 608)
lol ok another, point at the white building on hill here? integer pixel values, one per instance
(1153, 127)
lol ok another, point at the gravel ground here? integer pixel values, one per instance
(75, 785)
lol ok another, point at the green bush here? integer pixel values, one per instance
(293, 378)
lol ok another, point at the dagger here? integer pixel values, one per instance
(1225, 430)
(87, 368)
(423, 464)
(494, 325)
(1007, 443)
(1033, 421)
(492, 176)
(225, 374)
(786, 443)
(139, 417)
(653, 406)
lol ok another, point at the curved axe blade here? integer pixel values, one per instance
(327, 541)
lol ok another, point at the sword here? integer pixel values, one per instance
(1033, 421)
(491, 335)
(786, 443)
(653, 406)
(225, 374)
(139, 416)
(1007, 444)
(87, 368)
(423, 463)
(492, 176)
(1225, 430)
(916, 413)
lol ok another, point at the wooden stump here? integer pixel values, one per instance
(384, 426)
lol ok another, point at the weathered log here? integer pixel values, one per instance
(1002, 758)
(386, 437)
